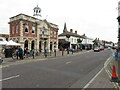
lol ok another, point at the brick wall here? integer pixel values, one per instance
(14, 24)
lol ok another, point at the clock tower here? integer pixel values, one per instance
(37, 11)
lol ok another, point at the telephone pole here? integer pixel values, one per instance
(118, 18)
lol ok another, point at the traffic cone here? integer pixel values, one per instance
(114, 77)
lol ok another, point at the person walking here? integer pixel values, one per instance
(45, 52)
(20, 51)
(116, 55)
(17, 53)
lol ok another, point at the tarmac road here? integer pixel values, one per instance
(64, 72)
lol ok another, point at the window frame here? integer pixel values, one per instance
(26, 26)
(12, 29)
(16, 28)
(33, 30)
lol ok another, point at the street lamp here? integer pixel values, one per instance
(68, 36)
(118, 46)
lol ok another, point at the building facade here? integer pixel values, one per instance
(69, 38)
(72, 39)
(33, 33)
(75, 40)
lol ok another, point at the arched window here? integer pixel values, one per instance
(26, 28)
(17, 28)
(26, 44)
(12, 29)
(33, 29)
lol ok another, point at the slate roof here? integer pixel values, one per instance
(71, 34)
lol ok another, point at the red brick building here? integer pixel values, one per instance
(33, 33)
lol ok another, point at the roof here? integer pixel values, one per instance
(24, 15)
(48, 23)
(5, 34)
(70, 33)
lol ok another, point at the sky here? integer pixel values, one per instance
(94, 18)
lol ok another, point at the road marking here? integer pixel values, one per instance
(108, 61)
(9, 78)
(105, 64)
(92, 79)
(68, 62)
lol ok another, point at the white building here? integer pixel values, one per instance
(73, 38)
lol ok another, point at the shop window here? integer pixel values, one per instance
(26, 28)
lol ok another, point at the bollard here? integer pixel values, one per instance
(62, 52)
(45, 54)
(55, 53)
(67, 51)
(72, 51)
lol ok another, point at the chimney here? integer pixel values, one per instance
(75, 32)
(71, 30)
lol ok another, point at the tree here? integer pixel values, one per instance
(95, 42)
(79, 40)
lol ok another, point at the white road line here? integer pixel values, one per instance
(92, 79)
(105, 64)
(9, 78)
(68, 62)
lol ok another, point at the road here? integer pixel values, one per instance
(63, 72)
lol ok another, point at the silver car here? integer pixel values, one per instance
(96, 49)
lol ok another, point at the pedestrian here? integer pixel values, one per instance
(116, 55)
(17, 54)
(1, 60)
(45, 52)
(55, 50)
(20, 51)
(32, 53)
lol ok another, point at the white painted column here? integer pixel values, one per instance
(52, 46)
(29, 45)
(38, 35)
(57, 45)
(48, 45)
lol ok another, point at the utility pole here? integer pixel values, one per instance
(118, 40)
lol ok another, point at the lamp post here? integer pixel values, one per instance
(119, 47)
(68, 36)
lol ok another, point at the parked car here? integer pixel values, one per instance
(109, 48)
(101, 48)
(72, 50)
(96, 49)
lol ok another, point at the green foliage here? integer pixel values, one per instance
(79, 40)
(95, 42)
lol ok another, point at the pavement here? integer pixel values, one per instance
(101, 80)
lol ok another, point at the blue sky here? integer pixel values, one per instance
(95, 18)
